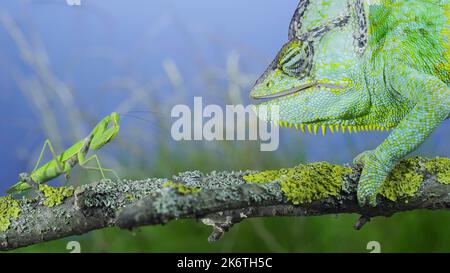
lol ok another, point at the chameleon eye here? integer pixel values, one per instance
(296, 58)
(269, 84)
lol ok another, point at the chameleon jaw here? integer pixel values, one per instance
(285, 92)
(295, 90)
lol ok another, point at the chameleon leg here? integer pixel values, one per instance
(360, 159)
(98, 168)
(431, 109)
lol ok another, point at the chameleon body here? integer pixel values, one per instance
(354, 66)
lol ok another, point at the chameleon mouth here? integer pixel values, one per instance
(295, 90)
(285, 92)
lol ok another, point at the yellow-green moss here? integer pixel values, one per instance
(403, 181)
(440, 167)
(9, 210)
(305, 183)
(55, 195)
(181, 188)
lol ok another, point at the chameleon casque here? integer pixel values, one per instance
(358, 65)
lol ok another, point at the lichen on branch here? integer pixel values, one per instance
(9, 211)
(305, 183)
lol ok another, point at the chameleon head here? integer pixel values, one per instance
(306, 85)
(315, 77)
(289, 73)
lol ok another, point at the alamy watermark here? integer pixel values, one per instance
(374, 247)
(235, 122)
(73, 2)
(74, 247)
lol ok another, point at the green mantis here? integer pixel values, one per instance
(104, 132)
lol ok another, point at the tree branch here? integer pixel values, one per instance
(224, 199)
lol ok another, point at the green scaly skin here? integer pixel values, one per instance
(359, 66)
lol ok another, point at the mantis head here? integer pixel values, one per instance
(105, 131)
(24, 177)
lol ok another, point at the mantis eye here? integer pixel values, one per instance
(296, 58)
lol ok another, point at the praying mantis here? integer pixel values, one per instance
(104, 132)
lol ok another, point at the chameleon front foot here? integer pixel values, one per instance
(372, 177)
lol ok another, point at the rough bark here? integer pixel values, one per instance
(224, 200)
